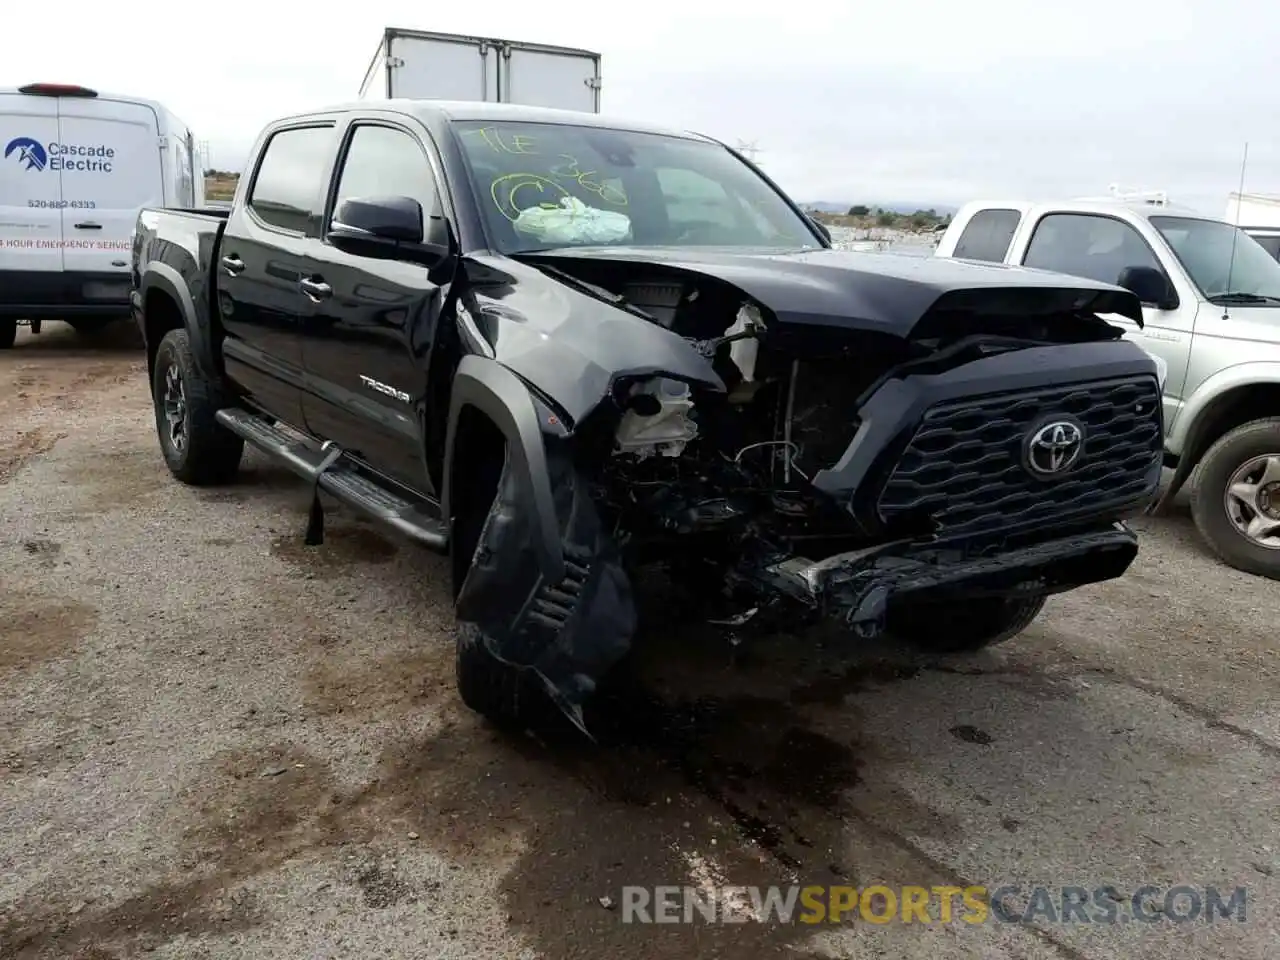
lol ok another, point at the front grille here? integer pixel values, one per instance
(964, 466)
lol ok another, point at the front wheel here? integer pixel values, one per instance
(197, 449)
(1236, 498)
(963, 626)
(8, 332)
(496, 690)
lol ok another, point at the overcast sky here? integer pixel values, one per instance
(902, 100)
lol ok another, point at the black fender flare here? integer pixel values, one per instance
(161, 276)
(501, 396)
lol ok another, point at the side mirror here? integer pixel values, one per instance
(1150, 286)
(393, 228)
(821, 228)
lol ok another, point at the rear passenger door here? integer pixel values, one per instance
(368, 337)
(987, 235)
(260, 266)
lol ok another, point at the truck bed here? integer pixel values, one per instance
(187, 242)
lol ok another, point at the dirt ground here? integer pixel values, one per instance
(216, 742)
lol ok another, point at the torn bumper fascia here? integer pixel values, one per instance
(860, 585)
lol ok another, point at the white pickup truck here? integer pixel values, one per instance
(1211, 312)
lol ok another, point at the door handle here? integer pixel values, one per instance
(316, 290)
(88, 225)
(232, 264)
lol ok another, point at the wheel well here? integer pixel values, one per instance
(478, 457)
(1226, 412)
(160, 314)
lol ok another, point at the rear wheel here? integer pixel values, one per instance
(197, 449)
(8, 332)
(963, 626)
(1236, 498)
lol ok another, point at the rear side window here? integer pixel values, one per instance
(987, 235)
(383, 161)
(1271, 245)
(288, 191)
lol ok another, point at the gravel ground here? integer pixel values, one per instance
(215, 742)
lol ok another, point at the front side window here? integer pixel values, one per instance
(542, 186)
(1088, 245)
(384, 161)
(1223, 261)
(288, 190)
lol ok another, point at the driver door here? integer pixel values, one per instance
(369, 322)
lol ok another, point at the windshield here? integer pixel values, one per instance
(542, 185)
(1205, 249)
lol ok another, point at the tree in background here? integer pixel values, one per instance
(859, 210)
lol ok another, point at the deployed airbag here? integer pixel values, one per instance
(572, 221)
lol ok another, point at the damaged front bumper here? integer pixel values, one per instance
(860, 585)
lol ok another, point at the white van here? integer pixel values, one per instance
(75, 169)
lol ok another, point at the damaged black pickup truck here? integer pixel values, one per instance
(563, 350)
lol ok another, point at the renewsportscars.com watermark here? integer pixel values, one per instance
(939, 904)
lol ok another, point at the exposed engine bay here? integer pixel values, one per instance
(728, 475)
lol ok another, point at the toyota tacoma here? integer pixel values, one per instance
(563, 349)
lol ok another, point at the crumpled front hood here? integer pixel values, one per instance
(883, 292)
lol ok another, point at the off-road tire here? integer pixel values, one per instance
(501, 693)
(963, 626)
(8, 332)
(497, 691)
(1208, 487)
(210, 454)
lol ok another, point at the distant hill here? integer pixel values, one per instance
(893, 206)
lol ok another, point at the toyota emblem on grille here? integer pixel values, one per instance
(1054, 447)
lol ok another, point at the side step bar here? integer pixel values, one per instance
(332, 472)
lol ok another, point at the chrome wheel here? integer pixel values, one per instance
(1252, 500)
(174, 404)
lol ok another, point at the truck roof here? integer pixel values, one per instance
(447, 110)
(1091, 205)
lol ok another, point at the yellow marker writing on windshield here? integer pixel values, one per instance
(520, 143)
(503, 190)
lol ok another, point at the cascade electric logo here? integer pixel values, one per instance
(55, 156)
(29, 152)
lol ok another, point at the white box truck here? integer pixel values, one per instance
(76, 166)
(418, 65)
(1258, 214)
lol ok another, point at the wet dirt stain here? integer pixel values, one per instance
(40, 628)
(381, 886)
(17, 452)
(116, 479)
(971, 734)
(833, 688)
(45, 552)
(343, 545)
(737, 782)
(345, 683)
(243, 825)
